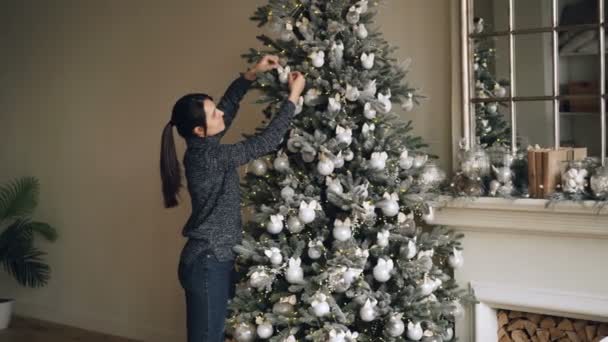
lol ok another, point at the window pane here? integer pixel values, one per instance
(535, 123)
(491, 67)
(582, 128)
(532, 14)
(577, 12)
(494, 15)
(493, 123)
(579, 64)
(533, 64)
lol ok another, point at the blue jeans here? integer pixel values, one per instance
(208, 285)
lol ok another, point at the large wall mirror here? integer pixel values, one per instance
(534, 73)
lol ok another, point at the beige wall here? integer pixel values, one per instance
(86, 87)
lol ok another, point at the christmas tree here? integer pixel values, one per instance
(337, 249)
(490, 124)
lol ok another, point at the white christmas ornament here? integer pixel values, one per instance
(449, 334)
(315, 249)
(353, 15)
(368, 130)
(338, 160)
(287, 193)
(389, 204)
(294, 225)
(395, 326)
(311, 98)
(382, 270)
(382, 238)
(384, 104)
(318, 58)
(287, 33)
(369, 91)
(378, 160)
(342, 229)
(337, 51)
(420, 160)
(478, 25)
(307, 211)
(362, 5)
(244, 332)
(411, 249)
(408, 103)
(350, 274)
(275, 256)
(283, 73)
(368, 111)
(456, 260)
(414, 331)
(325, 166)
(299, 105)
(405, 160)
(352, 93)
(290, 338)
(334, 185)
(259, 279)
(265, 330)
(429, 286)
(492, 108)
(319, 305)
(336, 336)
(344, 135)
(430, 216)
(368, 311)
(275, 225)
(367, 60)
(334, 104)
(281, 163)
(295, 273)
(499, 90)
(361, 31)
(349, 155)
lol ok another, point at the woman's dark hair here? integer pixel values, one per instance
(188, 113)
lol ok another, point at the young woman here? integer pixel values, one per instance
(206, 267)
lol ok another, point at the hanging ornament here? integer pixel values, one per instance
(260, 279)
(368, 130)
(334, 104)
(318, 58)
(275, 225)
(244, 332)
(264, 329)
(258, 167)
(368, 210)
(304, 28)
(369, 91)
(368, 111)
(478, 25)
(492, 107)
(284, 306)
(344, 136)
(294, 273)
(342, 229)
(315, 249)
(456, 260)
(395, 326)
(325, 166)
(337, 53)
(352, 93)
(275, 256)
(287, 193)
(311, 98)
(389, 204)
(336, 336)
(449, 334)
(411, 249)
(281, 163)
(294, 224)
(307, 211)
(414, 331)
(290, 338)
(428, 286)
(420, 159)
(382, 270)
(499, 91)
(338, 160)
(362, 6)
(283, 73)
(299, 105)
(457, 309)
(353, 15)
(405, 161)
(408, 103)
(350, 274)
(367, 60)
(334, 185)
(384, 104)
(378, 161)
(348, 155)
(382, 238)
(287, 33)
(319, 305)
(429, 216)
(361, 31)
(368, 310)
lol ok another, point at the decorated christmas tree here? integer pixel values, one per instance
(490, 124)
(337, 249)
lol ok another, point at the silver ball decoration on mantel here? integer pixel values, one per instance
(574, 178)
(599, 183)
(431, 176)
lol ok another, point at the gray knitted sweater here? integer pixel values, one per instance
(213, 180)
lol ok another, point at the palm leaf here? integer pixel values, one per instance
(18, 198)
(44, 229)
(20, 258)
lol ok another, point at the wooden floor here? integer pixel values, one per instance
(30, 330)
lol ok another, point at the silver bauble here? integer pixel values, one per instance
(244, 332)
(265, 330)
(287, 193)
(258, 167)
(281, 164)
(294, 225)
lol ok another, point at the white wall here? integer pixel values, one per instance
(86, 88)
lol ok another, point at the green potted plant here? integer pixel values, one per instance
(18, 255)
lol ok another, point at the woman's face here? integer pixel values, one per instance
(215, 120)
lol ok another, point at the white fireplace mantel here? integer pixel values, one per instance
(530, 216)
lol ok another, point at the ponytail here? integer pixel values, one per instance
(170, 172)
